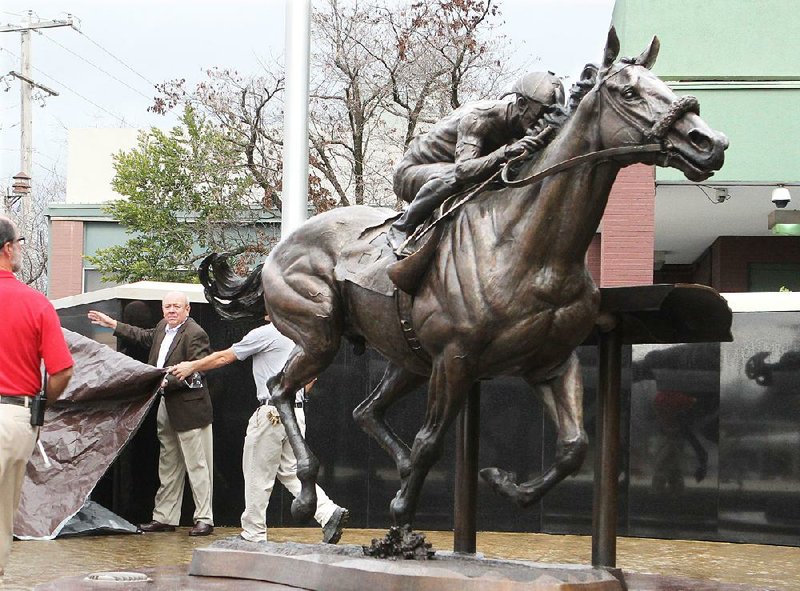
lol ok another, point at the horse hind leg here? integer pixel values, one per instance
(563, 398)
(370, 414)
(305, 306)
(302, 366)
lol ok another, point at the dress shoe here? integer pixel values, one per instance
(332, 530)
(154, 526)
(201, 529)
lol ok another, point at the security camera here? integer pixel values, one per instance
(781, 196)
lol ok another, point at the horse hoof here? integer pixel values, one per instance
(498, 476)
(303, 511)
(503, 482)
(399, 510)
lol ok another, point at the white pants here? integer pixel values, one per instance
(17, 440)
(267, 455)
(181, 452)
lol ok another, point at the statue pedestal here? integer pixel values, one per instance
(318, 567)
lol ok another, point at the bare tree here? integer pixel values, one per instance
(383, 69)
(349, 95)
(47, 188)
(247, 110)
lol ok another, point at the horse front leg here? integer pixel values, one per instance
(450, 381)
(563, 398)
(370, 414)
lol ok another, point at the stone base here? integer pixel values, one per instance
(318, 567)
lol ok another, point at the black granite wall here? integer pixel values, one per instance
(710, 439)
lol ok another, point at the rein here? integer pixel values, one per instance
(599, 155)
(658, 131)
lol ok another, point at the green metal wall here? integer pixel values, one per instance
(715, 39)
(741, 58)
(763, 126)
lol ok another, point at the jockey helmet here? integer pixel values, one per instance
(543, 87)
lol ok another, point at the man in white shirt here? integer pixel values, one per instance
(267, 453)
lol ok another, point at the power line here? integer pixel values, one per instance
(95, 66)
(150, 82)
(76, 93)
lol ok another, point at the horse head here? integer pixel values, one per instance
(634, 107)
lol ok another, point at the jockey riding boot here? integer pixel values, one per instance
(430, 196)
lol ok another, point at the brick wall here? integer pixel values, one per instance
(725, 265)
(626, 249)
(65, 277)
(732, 255)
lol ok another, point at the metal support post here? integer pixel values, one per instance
(466, 477)
(607, 452)
(295, 118)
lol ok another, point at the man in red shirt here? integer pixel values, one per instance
(30, 333)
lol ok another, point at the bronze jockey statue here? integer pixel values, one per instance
(468, 146)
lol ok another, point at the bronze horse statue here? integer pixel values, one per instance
(507, 291)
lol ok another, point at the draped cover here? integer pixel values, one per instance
(84, 431)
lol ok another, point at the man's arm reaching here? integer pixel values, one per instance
(219, 359)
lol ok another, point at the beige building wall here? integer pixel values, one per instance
(90, 163)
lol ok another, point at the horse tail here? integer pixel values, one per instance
(233, 297)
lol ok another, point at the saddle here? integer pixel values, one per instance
(370, 262)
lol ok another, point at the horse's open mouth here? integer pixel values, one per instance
(693, 171)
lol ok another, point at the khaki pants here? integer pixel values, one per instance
(183, 452)
(17, 440)
(267, 455)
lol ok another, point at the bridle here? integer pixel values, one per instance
(655, 134)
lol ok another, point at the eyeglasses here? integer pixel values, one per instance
(20, 240)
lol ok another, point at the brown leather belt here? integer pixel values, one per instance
(18, 400)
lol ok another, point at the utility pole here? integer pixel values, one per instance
(27, 84)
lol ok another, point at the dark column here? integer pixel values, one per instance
(606, 466)
(466, 479)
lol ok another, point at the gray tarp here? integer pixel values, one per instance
(94, 518)
(106, 401)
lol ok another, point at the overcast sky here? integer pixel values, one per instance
(104, 73)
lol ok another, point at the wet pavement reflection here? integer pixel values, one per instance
(760, 567)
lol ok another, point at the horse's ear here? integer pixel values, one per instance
(648, 57)
(612, 48)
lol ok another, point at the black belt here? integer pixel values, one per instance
(19, 400)
(269, 403)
